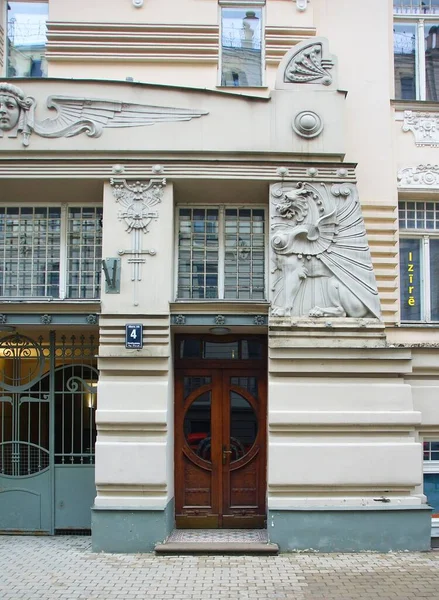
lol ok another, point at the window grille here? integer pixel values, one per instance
(30, 240)
(419, 215)
(84, 251)
(431, 450)
(50, 252)
(221, 253)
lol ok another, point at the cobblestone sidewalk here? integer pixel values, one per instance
(64, 568)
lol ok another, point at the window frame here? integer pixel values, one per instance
(221, 251)
(5, 19)
(424, 236)
(418, 19)
(63, 258)
(243, 4)
(430, 467)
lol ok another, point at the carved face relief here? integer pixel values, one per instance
(9, 112)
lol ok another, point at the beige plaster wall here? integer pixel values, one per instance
(360, 35)
(123, 11)
(233, 124)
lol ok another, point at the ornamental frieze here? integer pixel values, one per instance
(422, 176)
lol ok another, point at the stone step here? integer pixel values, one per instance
(217, 541)
(203, 547)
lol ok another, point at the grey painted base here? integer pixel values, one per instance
(130, 530)
(353, 529)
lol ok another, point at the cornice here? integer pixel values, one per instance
(277, 169)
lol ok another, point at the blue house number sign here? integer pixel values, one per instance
(134, 336)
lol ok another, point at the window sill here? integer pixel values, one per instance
(215, 305)
(249, 92)
(48, 301)
(431, 324)
(426, 105)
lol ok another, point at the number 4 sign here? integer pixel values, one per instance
(134, 336)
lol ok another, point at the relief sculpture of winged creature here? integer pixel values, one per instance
(321, 260)
(79, 115)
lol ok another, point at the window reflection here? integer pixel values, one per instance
(26, 39)
(404, 48)
(246, 349)
(197, 427)
(432, 61)
(243, 426)
(241, 47)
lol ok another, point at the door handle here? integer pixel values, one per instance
(225, 453)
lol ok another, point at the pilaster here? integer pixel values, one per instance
(134, 449)
(342, 437)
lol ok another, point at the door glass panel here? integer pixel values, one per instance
(244, 349)
(197, 426)
(248, 383)
(190, 348)
(221, 350)
(193, 383)
(243, 426)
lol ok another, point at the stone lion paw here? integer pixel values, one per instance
(316, 312)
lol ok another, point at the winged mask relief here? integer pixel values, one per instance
(79, 115)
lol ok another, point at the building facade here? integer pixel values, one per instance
(218, 232)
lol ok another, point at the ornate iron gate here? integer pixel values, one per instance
(47, 433)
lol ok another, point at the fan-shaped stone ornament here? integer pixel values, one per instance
(308, 62)
(79, 115)
(321, 260)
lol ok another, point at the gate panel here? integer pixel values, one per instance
(25, 492)
(47, 433)
(75, 434)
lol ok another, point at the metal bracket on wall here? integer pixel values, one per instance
(111, 268)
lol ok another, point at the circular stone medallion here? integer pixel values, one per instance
(307, 124)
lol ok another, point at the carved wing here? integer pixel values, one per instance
(349, 256)
(91, 116)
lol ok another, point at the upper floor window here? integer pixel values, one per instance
(416, 49)
(419, 260)
(221, 253)
(416, 7)
(50, 252)
(241, 46)
(26, 38)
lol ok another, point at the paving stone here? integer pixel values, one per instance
(64, 568)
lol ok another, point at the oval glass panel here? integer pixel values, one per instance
(243, 426)
(197, 426)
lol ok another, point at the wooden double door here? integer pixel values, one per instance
(220, 447)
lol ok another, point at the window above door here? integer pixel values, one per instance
(221, 253)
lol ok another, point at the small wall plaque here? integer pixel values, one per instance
(134, 336)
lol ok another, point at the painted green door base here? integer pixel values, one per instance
(351, 529)
(130, 530)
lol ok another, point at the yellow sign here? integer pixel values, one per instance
(411, 288)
